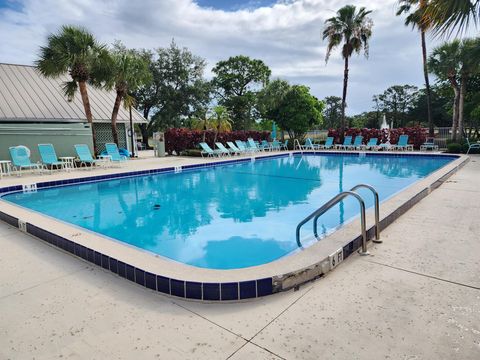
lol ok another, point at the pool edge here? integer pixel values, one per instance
(234, 290)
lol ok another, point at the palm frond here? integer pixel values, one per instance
(69, 89)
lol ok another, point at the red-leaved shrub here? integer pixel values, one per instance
(179, 139)
(416, 135)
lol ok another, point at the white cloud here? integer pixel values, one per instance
(287, 36)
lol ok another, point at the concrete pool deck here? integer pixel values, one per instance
(416, 297)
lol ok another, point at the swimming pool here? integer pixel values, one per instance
(229, 216)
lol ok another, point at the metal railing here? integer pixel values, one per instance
(335, 200)
(377, 209)
(296, 145)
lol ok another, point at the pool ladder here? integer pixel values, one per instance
(335, 200)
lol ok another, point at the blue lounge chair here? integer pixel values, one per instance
(224, 150)
(208, 150)
(309, 145)
(85, 156)
(475, 145)
(284, 146)
(429, 144)
(234, 148)
(49, 156)
(113, 153)
(402, 144)
(347, 141)
(328, 143)
(21, 159)
(371, 145)
(357, 143)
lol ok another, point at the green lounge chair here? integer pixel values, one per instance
(429, 144)
(357, 143)
(209, 151)
(328, 143)
(49, 156)
(85, 156)
(21, 159)
(223, 149)
(347, 141)
(475, 145)
(371, 145)
(402, 144)
(113, 153)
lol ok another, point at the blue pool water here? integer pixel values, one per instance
(230, 216)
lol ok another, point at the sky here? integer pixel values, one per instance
(285, 34)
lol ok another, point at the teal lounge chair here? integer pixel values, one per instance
(85, 156)
(371, 145)
(112, 151)
(264, 145)
(223, 149)
(49, 156)
(276, 145)
(284, 145)
(243, 147)
(21, 159)
(347, 141)
(429, 144)
(309, 145)
(234, 148)
(328, 143)
(402, 144)
(475, 145)
(252, 145)
(209, 151)
(357, 143)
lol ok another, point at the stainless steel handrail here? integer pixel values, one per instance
(336, 199)
(377, 209)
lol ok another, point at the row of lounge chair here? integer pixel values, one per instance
(358, 144)
(20, 156)
(242, 148)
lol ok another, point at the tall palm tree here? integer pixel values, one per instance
(351, 29)
(76, 52)
(129, 72)
(446, 16)
(444, 63)
(456, 62)
(415, 16)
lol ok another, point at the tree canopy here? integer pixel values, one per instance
(299, 111)
(237, 82)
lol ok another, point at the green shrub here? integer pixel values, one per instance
(456, 148)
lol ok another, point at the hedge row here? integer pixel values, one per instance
(182, 139)
(416, 135)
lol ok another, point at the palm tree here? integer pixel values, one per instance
(447, 15)
(456, 62)
(220, 120)
(74, 51)
(129, 72)
(415, 16)
(352, 28)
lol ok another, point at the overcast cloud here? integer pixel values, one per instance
(286, 36)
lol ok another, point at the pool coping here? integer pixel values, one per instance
(177, 279)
